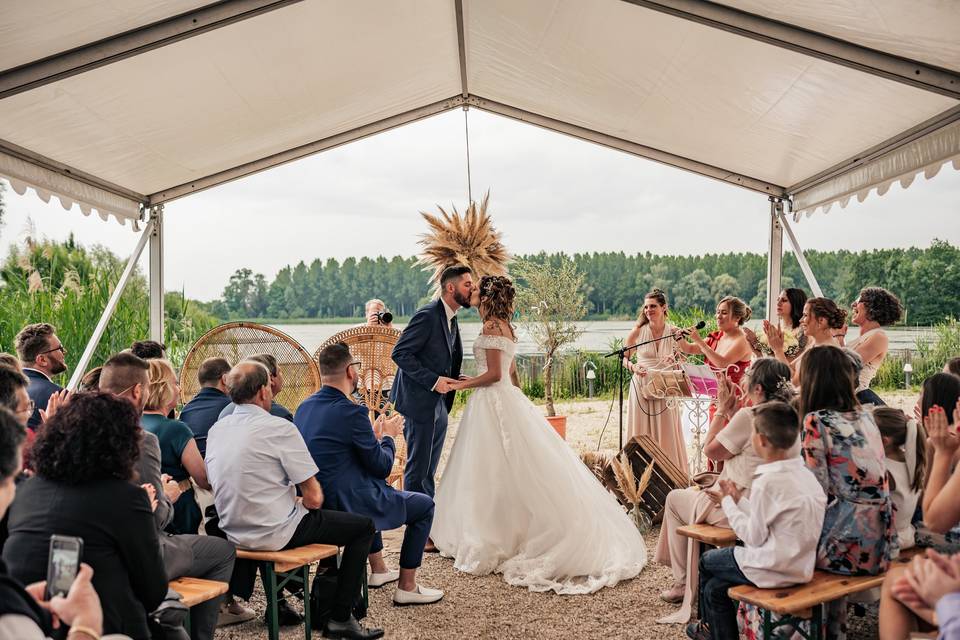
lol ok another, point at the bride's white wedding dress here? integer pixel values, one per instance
(515, 499)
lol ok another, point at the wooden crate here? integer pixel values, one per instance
(642, 451)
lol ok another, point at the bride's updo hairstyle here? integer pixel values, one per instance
(496, 298)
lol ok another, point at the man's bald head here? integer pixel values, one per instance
(246, 380)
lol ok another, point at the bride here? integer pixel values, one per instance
(514, 498)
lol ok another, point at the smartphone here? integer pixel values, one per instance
(63, 563)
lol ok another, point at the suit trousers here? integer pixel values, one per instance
(204, 557)
(424, 445)
(419, 520)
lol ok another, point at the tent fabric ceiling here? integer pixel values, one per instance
(316, 69)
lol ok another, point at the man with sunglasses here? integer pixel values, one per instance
(43, 356)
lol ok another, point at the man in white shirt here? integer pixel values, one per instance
(255, 463)
(779, 525)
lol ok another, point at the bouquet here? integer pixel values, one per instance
(791, 343)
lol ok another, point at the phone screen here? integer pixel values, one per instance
(64, 562)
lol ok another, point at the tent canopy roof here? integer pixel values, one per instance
(118, 105)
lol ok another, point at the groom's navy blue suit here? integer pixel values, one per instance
(427, 349)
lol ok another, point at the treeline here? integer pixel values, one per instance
(927, 281)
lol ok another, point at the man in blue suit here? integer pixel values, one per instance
(42, 356)
(354, 460)
(204, 409)
(428, 355)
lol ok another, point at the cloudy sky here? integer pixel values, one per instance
(548, 192)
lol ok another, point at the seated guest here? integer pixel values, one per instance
(148, 350)
(10, 360)
(204, 409)
(729, 439)
(276, 386)
(256, 462)
(24, 612)
(354, 465)
(904, 445)
(42, 356)
(940, 408)
(90, 380)
(14, 398)
(930, 588)
(843, 448)
(952, 366)
(873, 309)
(127, 376)
(85, 459)
(779, 524)
(179, 456)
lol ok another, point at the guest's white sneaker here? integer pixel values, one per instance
(423, 595)
(377, 580)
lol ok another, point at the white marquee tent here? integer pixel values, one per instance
(121, 107)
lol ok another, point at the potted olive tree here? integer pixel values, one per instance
(550, 300)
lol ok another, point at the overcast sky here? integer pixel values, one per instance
(548, 192)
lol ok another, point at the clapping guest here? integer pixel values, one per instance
(940, 407)
(42, 356)
(930, 588)
(790, 305)
(84, 459)
(822, 323)
(873, 309)
(276, 386)
(204, 409)
(354, 461)
(256, 463)
(148, 350)
(179, 456)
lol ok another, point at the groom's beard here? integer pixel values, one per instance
(460, 299)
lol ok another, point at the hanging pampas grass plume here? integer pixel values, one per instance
(468, 239)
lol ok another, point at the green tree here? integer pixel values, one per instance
(693, 291)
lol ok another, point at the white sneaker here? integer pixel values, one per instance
(377, 580)
(234, 613)
(423, 595)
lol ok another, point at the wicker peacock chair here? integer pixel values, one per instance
(372, 346)
(235, 341)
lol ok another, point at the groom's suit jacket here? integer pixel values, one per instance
(353, 464)
(425, 351)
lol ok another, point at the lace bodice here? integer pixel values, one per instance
(483, 343)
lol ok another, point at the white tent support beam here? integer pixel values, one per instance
(118, 290)
(810, 43)
(633, 148)
(303, 151)
(462, 46)
(801, 258)
(124, 45)
(774, 257)
(66, 170)
(891, 144)
(156, 274)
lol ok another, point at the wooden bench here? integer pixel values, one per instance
(278, 568)
(194, 591)
(806, 601)
(709, 534)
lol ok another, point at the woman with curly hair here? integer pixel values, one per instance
(873, 309)
(84, 486)
(179, 455)
(647, 414)
(542, 519)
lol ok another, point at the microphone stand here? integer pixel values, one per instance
(621, 352)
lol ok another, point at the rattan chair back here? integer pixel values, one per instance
(236, 341)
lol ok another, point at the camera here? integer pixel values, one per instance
(384, 317)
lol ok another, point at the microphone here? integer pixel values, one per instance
(685, 332)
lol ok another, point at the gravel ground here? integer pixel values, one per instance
(486, 607)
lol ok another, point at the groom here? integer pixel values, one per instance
(428, 355)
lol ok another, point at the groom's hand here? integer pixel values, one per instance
(444, 385)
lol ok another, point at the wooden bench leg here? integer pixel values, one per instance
(270, 591)
(307, 624)
(816, 623)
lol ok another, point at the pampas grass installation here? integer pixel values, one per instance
(627, 481)
(467, 239)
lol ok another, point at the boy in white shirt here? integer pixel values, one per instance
(779, 525)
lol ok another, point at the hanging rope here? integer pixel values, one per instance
(466, 132)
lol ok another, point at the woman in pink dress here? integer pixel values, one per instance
(650, 415)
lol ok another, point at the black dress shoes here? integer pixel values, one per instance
(350, 629)
(286, 615)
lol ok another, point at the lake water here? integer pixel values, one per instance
(597, 335)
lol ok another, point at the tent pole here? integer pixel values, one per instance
(774, 257)
(802, 259)
(91, 347)
(156, 274)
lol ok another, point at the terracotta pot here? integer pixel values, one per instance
(559, 424)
